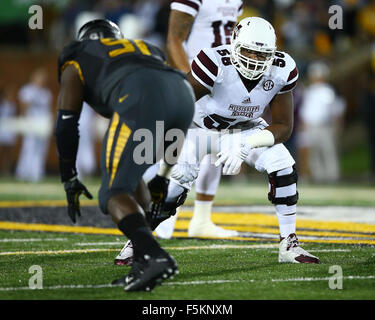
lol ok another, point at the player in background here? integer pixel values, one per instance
(129, 82)
(233, 85)
(35, 100)
(194, 25)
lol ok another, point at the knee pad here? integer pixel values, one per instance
(278, 180)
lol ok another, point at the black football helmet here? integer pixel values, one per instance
(99, 28)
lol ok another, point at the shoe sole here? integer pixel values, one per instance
(301, 259)
(166, 274)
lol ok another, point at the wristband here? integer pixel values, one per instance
(263, 138)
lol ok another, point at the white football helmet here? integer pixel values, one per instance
(253, 37)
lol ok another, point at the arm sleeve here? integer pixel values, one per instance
(67, 137)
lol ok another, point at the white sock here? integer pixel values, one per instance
(286, 214)
(287, 223)
(166, 228)
(202, 211)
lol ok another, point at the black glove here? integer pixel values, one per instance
(158, 187)
(168, 210)
(74, 188)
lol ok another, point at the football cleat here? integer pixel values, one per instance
(291, 252)
(125, 257)
(209, 230)
(169, 209)
(147, 272)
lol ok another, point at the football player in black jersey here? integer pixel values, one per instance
(129, 82)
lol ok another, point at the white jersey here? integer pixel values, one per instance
(230, 105)
(213, 23)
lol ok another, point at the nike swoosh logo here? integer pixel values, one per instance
(123, 98)
(64, 116)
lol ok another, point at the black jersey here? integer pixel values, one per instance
(103, 63)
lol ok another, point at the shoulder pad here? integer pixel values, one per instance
(69, 52)
(285, 68)
(205, 67)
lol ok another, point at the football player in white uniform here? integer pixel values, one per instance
(233, 85)
(193, 25)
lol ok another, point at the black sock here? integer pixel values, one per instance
(134, 226)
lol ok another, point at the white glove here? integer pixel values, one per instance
(232, 159)
(184, 173)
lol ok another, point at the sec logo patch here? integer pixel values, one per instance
(268, 85)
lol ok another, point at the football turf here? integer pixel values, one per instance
(253, 191)
(78, 266)
(77, 261)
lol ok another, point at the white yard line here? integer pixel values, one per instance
(322, 279)
(210, 247)
(178, 283)
(255, 246)
(325, 250)
(84, 244)
(32, 239)
(10, 253)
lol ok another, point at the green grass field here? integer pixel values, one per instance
(209, 270)
(251, 192)
(78, 266)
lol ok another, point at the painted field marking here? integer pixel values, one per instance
(258, 226)
(322, 279)
(210, 247)
(113, 243)
(213, 246)
(179, 283)
(267, 220)
(325, 250)
(32, 239)
(43, 203)
(57, 228)
(260, 246)
(11, 253)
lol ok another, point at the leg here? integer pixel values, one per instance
(151, 263)
(142, 195)
(207, 183)
(22, 168)
(283, 177)
(120, 192)
(283, 194)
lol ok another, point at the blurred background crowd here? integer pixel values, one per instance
(333, 139)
